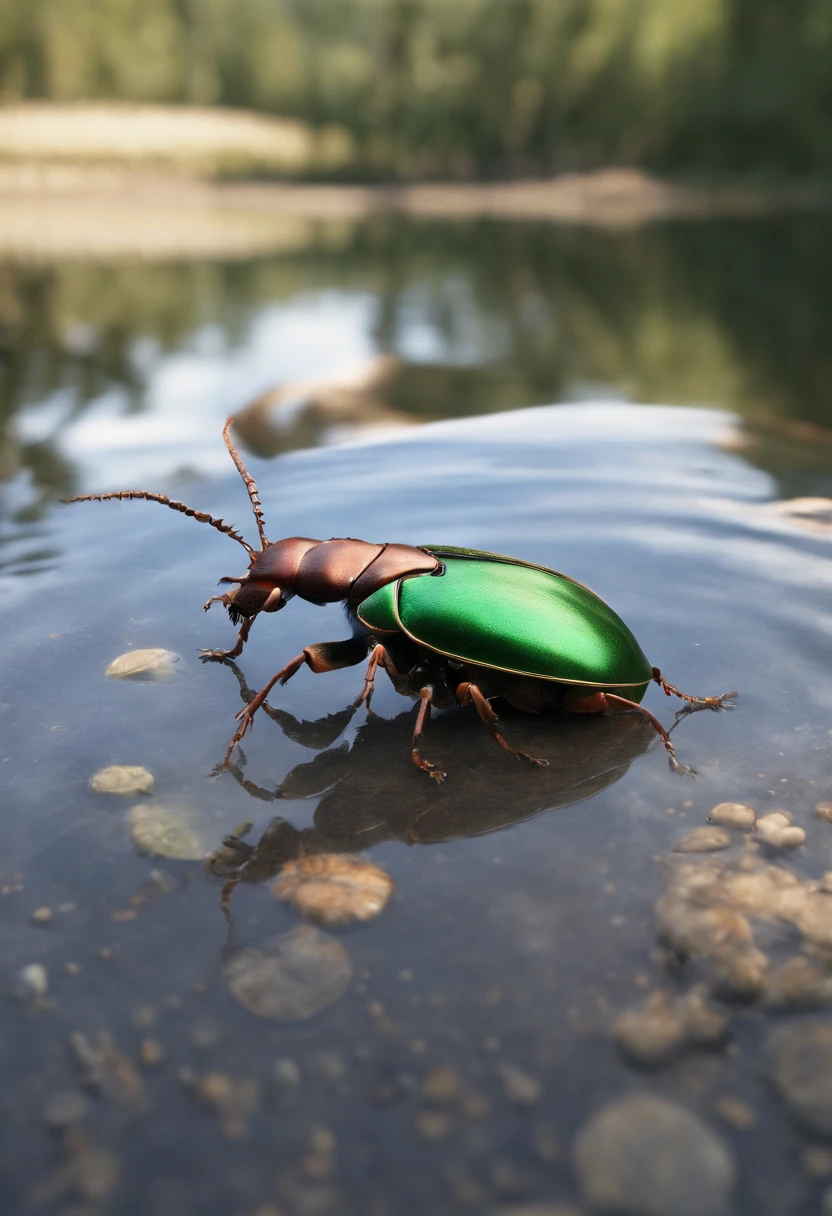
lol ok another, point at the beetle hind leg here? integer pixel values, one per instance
(468, 693)
(608, 702)
(694, 703)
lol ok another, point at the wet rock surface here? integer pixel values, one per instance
(642, 1154)
(778, 831)
(291, 977)
(333, 888)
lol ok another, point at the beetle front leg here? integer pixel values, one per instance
(219, 656)
(466, 694)
(323, 656)
(694, 703)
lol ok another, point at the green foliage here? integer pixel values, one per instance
(463, 87)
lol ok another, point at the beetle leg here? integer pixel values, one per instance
(608, 702)
(219, 656)
(467, 693)
(426, 695)
(714, 703)
(323, 656)
(377, 656)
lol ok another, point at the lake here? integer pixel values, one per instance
(556, 1012)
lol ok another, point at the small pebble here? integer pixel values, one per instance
(824, 811)
(817, 1161)
(432, 1125)
(143, 665)
(442, 1085)
(776, 830)
(151, 1053)
(736, 1112)
(703, 840)
(72, 968)
(65, 1107)
(30, 983)
(286, 1072)
(42, 916)
(124, 779)
(162, 881)
(733, 815)
(518, 1086)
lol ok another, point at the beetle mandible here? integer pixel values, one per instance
(449, 626)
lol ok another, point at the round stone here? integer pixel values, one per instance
(166, 830)
(291, 977)
(647, 1155)
(124, 779)
(334, 888)
(733, 815)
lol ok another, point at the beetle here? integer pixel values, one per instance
(449, 625)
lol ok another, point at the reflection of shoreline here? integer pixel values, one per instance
(59, 211)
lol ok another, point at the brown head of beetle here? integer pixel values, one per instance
(320, 572)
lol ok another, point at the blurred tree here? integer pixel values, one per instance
(463, 87)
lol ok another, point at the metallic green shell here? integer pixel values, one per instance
(498, 612)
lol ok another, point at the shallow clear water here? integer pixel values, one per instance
(523, 918)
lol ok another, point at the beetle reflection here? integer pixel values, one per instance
(370, 794)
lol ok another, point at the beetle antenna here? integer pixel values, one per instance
(250, 483)
(201, 516)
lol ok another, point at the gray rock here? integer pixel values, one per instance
(292, 976)
(801, 1056)
(645, 1156)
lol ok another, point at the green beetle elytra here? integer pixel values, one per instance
(448, 625)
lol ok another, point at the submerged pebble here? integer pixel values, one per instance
(666, 1023)
(703, 840)
(647, 1155)
(733, 815)
(824, 811)
(291, 977)
(519, 1086)
(122, 779)
(334, 888)
(30, 984)
(166, 830)
(776, 830)
(801, 1056)
(143, 665)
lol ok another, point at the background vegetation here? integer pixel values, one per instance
(463, 88)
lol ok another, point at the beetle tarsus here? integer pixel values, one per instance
(714, 703)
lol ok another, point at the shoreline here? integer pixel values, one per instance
(51, 210)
